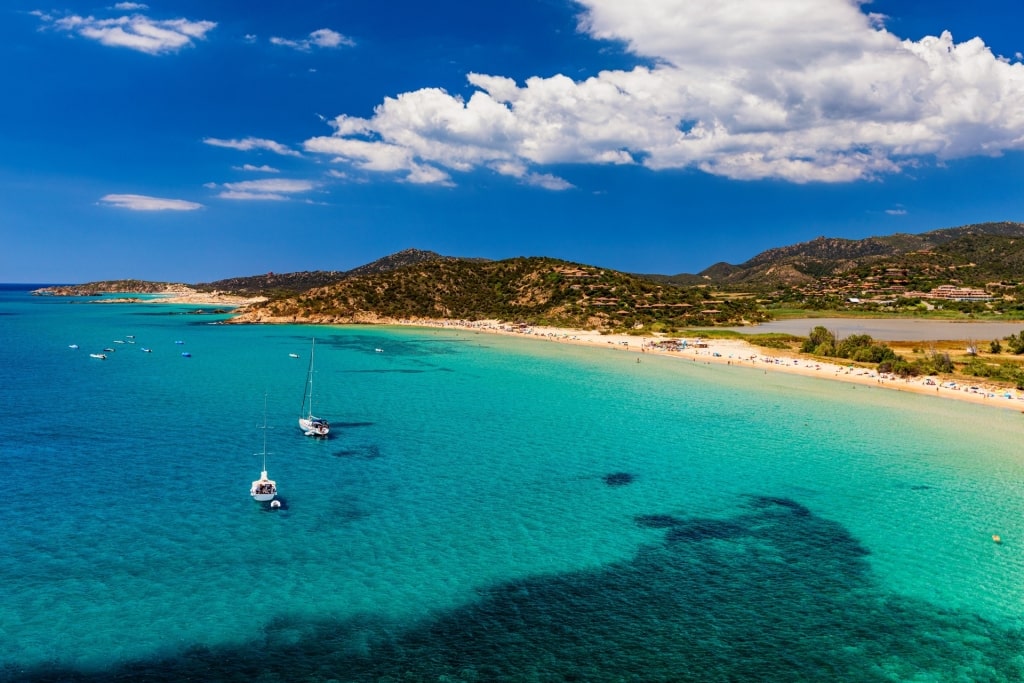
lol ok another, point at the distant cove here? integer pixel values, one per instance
(891, 329)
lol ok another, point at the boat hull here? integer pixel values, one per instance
(263, 489)
(314, 426)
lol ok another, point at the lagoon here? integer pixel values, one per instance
(892, 329)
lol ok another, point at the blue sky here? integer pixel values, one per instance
(197, 140)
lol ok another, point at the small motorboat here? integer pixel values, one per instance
(101, 356)
(186, 354)
(72, 346)
(293, 355)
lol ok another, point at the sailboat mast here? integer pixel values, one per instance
(264, 435)
(312, 351)
(307, 386)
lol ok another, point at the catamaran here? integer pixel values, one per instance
(264, 489)
(310, 424)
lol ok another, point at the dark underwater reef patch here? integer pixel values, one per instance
(706, 529)
(385, 371)
(619, 478)
(657, 521)
(393, 346)
(396, 371)
(773, 593)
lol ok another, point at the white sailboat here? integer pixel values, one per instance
(310, 424)
(264, 489)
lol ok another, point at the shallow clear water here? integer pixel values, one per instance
(487, 508)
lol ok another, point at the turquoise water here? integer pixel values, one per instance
(486, 509)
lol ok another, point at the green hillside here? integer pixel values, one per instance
(527, 290)
(981, 253)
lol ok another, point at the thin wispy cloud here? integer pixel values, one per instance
(140, 202)
(130, 6)
(250, 144)
(323, 38)
(815, 91)
(135, 31)
(270, 189)
(896, 212)
(256, 169)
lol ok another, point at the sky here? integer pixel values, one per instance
(195, 140)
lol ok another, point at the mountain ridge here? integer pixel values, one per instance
(824, 273)
(809, 261)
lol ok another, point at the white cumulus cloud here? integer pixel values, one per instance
(136, 31)
(323, 37)
(797, 90)
(547, 181)
(139, 202)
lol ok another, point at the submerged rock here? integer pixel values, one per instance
(619, 478)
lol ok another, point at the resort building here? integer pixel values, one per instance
(952, 293)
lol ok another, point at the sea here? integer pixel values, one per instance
(486, 508)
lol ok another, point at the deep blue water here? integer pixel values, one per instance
(486, 509)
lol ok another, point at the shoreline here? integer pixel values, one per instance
(744, 354)
(204, 299)
(187, 296)
(719, 351)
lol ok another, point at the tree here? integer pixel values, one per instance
(1015, 343)
(941, 363)
(820, 338)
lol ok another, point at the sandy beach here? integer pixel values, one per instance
(189, 296)
(741, 353)
(209, 299)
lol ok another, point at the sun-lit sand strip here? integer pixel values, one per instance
(187, 295)
(209, 299)
(741, 353)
